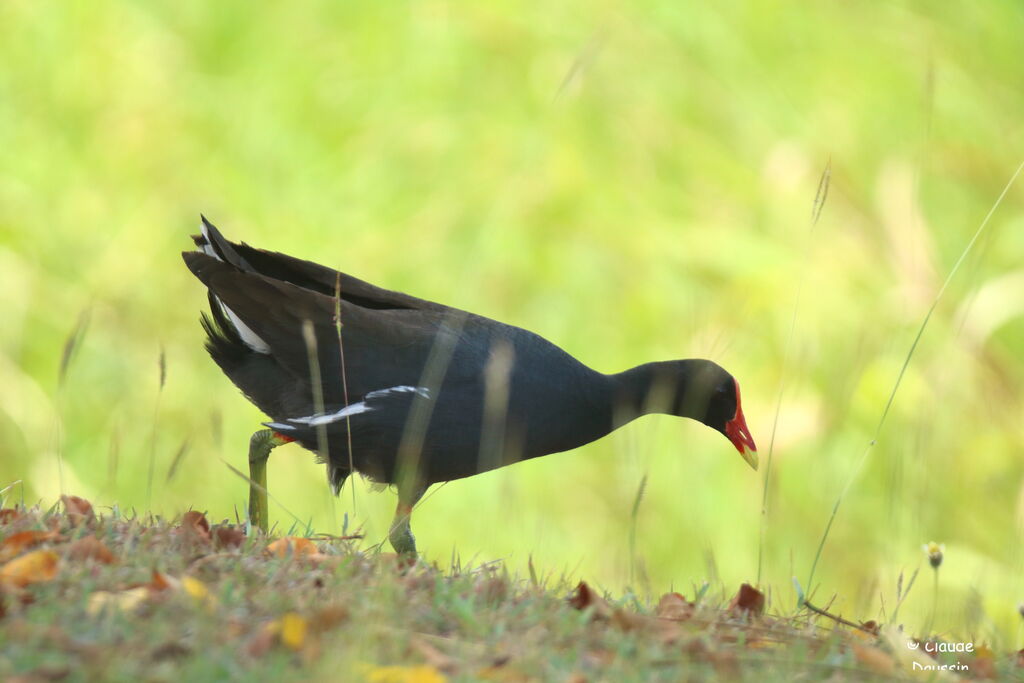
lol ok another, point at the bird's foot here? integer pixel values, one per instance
(402, 539)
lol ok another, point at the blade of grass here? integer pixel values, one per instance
(413, 434)
(633, 516)
(162, 365)
(344, 380)
(71, 345)
(178, 457)
(906, 362)
(819, 204)
(903, 594)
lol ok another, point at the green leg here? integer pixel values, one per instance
(260, 445)
(400, 534)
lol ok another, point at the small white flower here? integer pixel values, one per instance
(934, 552)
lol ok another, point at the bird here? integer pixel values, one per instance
(410, 393)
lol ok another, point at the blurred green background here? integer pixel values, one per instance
(631, 180)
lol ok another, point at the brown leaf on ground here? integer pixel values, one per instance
(983, 663)
(162, 582)
(37, 566)
(748, 599)
(261, 643)
(15, 544)
(328, 617)
(227, 537)
(195, 527)
(584, 597)
(665, 630)
(90, 548)
(1020, 658)
(8, 515)
(78, 510)
(290, 630)
(293, 546)
(675, 607)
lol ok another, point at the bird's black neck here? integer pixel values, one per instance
(608, 402)
(648, 388)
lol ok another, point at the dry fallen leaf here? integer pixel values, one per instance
(227, 536)
(90, 548)
(983, 665)
(585, 597)
(292, 546)
(674, 606)
(292, 631)
(162, 582)
(36, 567)
(404, 674)
(328, 617)
(748, 599)
(124, 601)
(8, 515)
(195, 527)
(261, 643)
(78, 510)
(15, 544)
(197, 589)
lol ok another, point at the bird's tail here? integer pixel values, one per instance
(212, 243)
(226, 328)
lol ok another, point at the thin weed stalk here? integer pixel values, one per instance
(819, 203)
(414, 433)
(344, 380)
(634, 515)
(162, 364)
(906, 362)
(71, 345)
(901, 595)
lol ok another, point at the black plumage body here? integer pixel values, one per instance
(447, 392)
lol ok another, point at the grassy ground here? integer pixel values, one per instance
(117, 598)
(631, 180)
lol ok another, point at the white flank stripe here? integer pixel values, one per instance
(328, 418)
(357, 408)
(400, 389)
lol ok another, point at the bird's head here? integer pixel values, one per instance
(712, 396)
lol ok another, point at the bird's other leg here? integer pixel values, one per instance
(260, 445)
(400, 534)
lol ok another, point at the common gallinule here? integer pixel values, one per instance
(410, 392)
